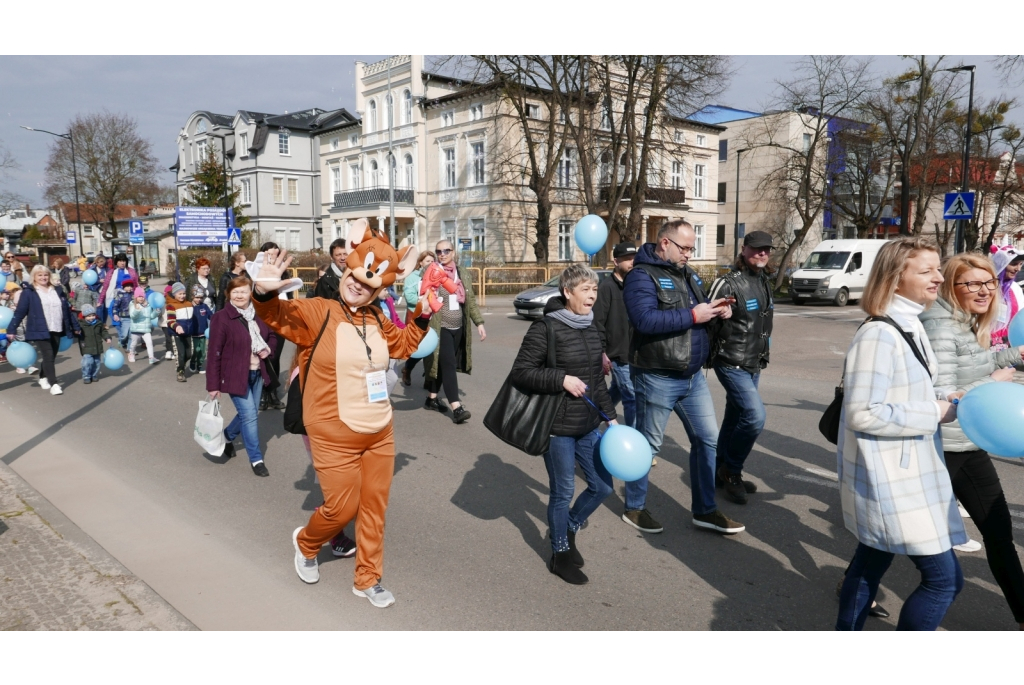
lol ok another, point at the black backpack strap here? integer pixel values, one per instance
(315, 343)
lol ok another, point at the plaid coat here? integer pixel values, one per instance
(895, 489)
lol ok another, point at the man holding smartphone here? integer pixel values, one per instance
(669, 312)
(740, 346)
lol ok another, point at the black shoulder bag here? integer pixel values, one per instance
(521, 419)
(828, 426)
(293, 410)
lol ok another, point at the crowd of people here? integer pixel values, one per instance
(907, 471)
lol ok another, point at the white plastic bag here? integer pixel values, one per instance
(209, 431)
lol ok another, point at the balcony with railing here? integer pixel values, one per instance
(374, 195)
(658, 195)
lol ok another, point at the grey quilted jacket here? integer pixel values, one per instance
(963, 363)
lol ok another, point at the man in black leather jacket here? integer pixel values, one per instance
(739, 350)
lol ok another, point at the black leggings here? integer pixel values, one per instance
(274, 367)
(976, 485)
(47, 353)
(184, 347)
(450, 343)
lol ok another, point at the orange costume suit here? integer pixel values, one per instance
(351, 438)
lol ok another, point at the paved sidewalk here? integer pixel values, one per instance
(54, 577)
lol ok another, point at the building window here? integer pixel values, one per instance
(478, 232)
(294, 239)
(393, 170)
(201, 149)
(679, 136)
(702, 141)
(335, 144)
(676, 178)
(721, 193)
(245, 192)
(281, 236)
(353, 140)
(406, 107)
(567, 168)
(389, 110)
(371, 117)
(293, 191)
(700, 172)
(408, 172)
(447, 119)
(605, 172)
(698, 244)
(807, 143)
(479, 166)
(741, 231)
(476, 112)
(720, 234)
(353, 176)
(448, 173)
(336, 179)
(533, 111)
(279, 190)
(201, 126)
(606, 115)
(565, 240)
(371, 174)
(243, 144)
(723, 151)
(448, 230)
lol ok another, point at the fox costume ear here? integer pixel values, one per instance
(358, 231)
(407, 260)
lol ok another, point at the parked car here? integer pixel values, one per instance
(530, 303)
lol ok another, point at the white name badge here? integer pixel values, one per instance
(453, 303)
(377, 386)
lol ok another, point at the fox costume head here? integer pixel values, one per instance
(373, 261)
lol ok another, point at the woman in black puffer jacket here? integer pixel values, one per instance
(575, 437)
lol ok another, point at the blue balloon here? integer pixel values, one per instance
(3, 280)
(6, 315)
(626, 453)
(113, 359)
(427, 345)
(156, 300)
(154, 322)
(21, 354)
(590, 233)
(90, 277)
(1017, 330)
(65, 343)
(207, 334)
(992, 416)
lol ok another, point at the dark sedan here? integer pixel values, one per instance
(530, 303)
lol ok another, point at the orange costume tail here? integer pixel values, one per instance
(433, 278)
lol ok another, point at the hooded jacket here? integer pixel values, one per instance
(659, 298)
(93, 336)
(612, 320)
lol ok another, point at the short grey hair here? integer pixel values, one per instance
(576, 274)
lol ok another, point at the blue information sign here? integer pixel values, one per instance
(135, 234)
(72, 237)
(202, 225)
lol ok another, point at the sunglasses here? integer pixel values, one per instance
(445, 251)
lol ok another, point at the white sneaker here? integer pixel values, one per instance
(44, 384)
(169, 355)
(33, 369)
(308, 569)
(378, 596)
(55, 390)
(131, 357)
(969, 546)
(18, 370)
(963, 512)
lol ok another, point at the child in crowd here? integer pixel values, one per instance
(144, 284)
(201, 314)
(81, 296)
(119, 312)
(172, 352)
(179, 321)
(7, 301)
(94, 334)
(141, 314)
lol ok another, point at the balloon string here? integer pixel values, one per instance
(591, 403)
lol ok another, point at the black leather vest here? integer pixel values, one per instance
(667, 351)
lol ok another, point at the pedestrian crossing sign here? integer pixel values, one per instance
(234, 237)
(958, 205)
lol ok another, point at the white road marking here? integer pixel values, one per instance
(816, 481)
(821, 472)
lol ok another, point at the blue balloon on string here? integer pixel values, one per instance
(113, 359)
(65, 343)
(156, 300)
(992, 417)
(90, 277)
(207, 333)
(626, 453)
(427, 345)
(21, 354)
(154, 322)
(6, 314)
(3, 280)
(1017, 330)
(591, 233)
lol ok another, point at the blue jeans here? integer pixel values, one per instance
(245, 421)
(622, 389)
(560, 460)
(941, 582)
(90, 366)
(744, 416)
(657, 396)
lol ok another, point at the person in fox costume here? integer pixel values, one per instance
(345, 409)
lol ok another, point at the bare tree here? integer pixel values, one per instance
(115, 165)
(8, 199)
(862, 176)
(1011, 67)
(995, 172)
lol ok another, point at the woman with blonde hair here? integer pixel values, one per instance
(959, 327)
(44, 309)
(896, 493)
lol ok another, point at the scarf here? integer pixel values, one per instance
(337, 272)
(577, 321)
(453, 273)
(258, 343)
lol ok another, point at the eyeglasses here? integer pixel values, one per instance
(445, 251)
(760, 250)
(682, 248)
(975, 286)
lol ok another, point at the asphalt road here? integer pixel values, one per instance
(466, 542)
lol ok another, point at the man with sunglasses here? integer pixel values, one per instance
(669, 311)
(739, 351)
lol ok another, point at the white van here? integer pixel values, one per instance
(837, 270)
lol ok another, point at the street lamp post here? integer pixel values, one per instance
(224, 169)
(965, 177)
(74, 173)
(736, 220)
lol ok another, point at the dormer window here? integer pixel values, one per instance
(201, 126)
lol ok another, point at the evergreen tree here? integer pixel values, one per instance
(210, 188)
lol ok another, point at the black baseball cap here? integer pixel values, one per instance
(626, 250)
(758, 239)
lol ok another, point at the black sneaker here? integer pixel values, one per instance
(264, 401)
(734, 490)
(561, 565)
(460, 414)
(435, 404)
(181, 376)
(642, 521)
(274, 402)
(343, 546)
(260, 469)
(577, 558)
(721, 477)
(229, 450)
(718, 522)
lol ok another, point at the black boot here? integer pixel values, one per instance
(264, 401)
(274, 402)
(577, 558)
(561, 565)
